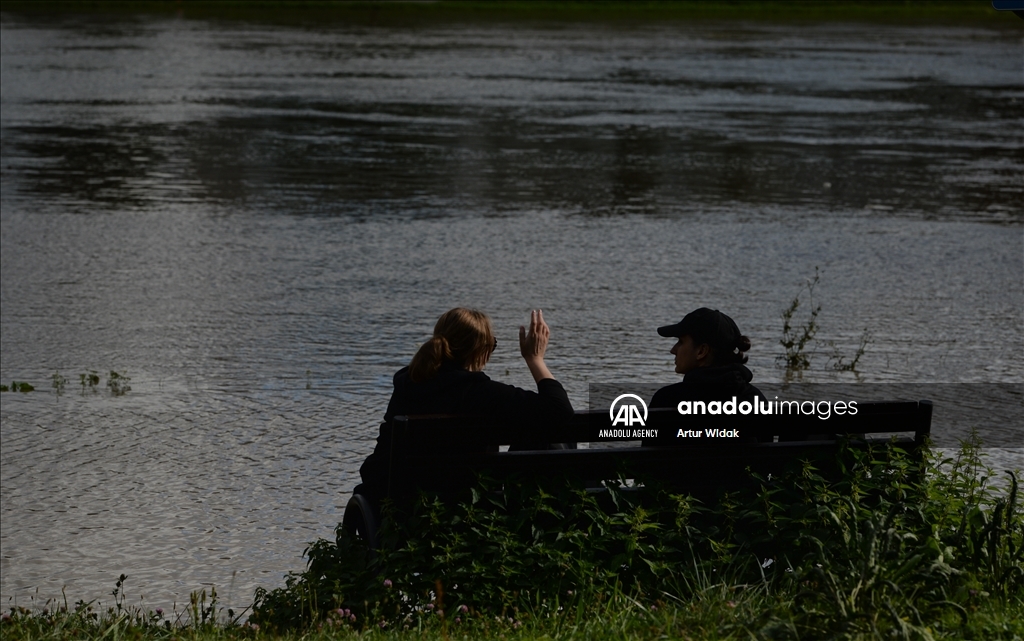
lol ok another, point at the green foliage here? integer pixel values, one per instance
(202, 619)
(891, 547)
(795, 338)
(58, 383)
(118, 384)
(911, 561)
(799, 335)
(839, 362)
(89, 380)
(896, 548)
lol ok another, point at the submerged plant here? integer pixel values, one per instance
(795, 338)
(118, 383)
(839, 362)
(58, 382)
(798, 336)
(89, 380)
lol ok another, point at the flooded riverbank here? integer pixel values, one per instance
(258, 223)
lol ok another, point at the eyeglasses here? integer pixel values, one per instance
(495, 346)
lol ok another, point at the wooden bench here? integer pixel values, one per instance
(446, 453)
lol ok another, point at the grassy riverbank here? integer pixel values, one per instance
(719, 616)
(966, 12)
(885, 553)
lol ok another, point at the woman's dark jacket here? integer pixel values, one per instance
(454, 390)
(717, 383)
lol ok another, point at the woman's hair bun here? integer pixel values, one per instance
(742, 343)
(735, 355)
(461, 335)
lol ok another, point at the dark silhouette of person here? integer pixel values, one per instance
(446, 377)
(710, 353)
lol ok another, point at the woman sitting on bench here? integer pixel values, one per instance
(446, 377)
(709, 353)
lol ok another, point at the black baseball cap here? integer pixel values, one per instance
(705, 326)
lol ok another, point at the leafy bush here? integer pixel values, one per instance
(897, 549)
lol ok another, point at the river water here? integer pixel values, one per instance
(257, 224)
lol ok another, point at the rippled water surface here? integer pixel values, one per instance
(258, 224)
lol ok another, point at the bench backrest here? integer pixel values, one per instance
(445, 451)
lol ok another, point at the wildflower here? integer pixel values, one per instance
(463, 608)
(654, 608)
(429, 606)
(159, 612)
(458, 620)
(387, 583)
(352, 618)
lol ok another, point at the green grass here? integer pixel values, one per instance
(615, 12)
(718, 612)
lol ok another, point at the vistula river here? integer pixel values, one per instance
(258, 223)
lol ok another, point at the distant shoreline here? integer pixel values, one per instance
(398, 13)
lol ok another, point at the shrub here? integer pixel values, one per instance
(896, 549)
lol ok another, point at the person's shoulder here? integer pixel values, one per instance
(452, 379)
(453, 372)
(669, 395)
(402, 378)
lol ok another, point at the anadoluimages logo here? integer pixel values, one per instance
(624, 411)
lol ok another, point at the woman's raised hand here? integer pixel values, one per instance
(534, 344)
